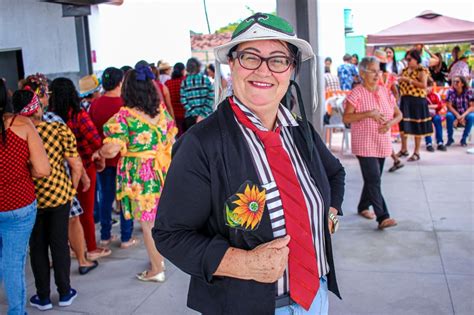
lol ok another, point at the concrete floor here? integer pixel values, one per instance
(425, 265)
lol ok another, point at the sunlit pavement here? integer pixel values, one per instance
(425, 265)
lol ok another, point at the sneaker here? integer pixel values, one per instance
(42, 305)
(115, 222)
(463, 143)
(66, 300)
(430, 148)
(450, 141)
(441, 147)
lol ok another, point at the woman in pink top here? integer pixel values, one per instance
(371, 110)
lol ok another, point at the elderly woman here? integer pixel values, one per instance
(414, 105)
(371, 109)
(252, 193)
(142, 132)
(460, 103)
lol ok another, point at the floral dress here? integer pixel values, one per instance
(145, 158)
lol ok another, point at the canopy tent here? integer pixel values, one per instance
(426, 28)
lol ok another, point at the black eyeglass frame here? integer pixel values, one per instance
(238, 54)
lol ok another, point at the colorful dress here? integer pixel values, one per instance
(145, 158)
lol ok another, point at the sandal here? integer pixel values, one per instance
(402, 153)
(130, 243)
(396, 165)
(99, 253)
(369, 215)
(160, 277)
(387, 223)
(414, 157)
(113, 238)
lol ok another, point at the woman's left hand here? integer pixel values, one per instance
(330, 222)
(384, 128)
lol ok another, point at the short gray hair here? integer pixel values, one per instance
(366, 61)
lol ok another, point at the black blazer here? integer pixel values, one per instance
(210, 163)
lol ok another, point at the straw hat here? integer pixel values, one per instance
(88, 85)
(381, 56)
(163, 65)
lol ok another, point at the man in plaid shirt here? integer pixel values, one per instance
(197, 94)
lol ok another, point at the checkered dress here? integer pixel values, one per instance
(56, 189)
(410, 89)
(76, 209)
(366, 139)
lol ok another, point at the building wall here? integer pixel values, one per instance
(47, 40)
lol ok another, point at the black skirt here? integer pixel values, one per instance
(416, 116)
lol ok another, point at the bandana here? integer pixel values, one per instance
(32, 106)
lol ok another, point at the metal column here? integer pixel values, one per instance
(303, 14)
(83, 45)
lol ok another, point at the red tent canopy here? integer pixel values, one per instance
(426, 28)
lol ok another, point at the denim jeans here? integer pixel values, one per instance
(450, 126)
(437, 123)
(15, 230)
(107, 184)
(320, 305)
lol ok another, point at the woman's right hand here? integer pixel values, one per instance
(377, 116)
(267, 262)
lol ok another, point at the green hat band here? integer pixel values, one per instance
(266, 20)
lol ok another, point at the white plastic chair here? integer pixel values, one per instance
(336, 122)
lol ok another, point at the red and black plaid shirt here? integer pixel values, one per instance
(87, 137)
(174, 86)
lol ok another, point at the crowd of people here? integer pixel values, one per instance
(70, 154)
(228, 215)
(403, 97)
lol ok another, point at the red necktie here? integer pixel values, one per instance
(303, 269)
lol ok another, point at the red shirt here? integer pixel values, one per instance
(434, 99)
(16, 185)
(174, 85)
(87, 137)
(102, 109)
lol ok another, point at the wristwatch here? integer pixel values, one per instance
(335, 222)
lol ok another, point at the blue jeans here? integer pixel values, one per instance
(450, 118)
(15, 230)
(436, 119)
(319, 306)
(106, 178)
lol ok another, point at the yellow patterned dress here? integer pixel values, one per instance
(145, 158)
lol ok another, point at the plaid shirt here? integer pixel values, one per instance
(331, 82)
(56, 189)
(197, 95)
(365, 137)
(460, 102)
(174, 86)
(88, 139)
(76, 208)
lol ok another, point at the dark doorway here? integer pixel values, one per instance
(11, 67)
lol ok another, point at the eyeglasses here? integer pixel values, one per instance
(373, 71)
(456, 81)
(251, 61)
(408, 59)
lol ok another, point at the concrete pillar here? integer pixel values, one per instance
(303, 14)
(83, 45)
